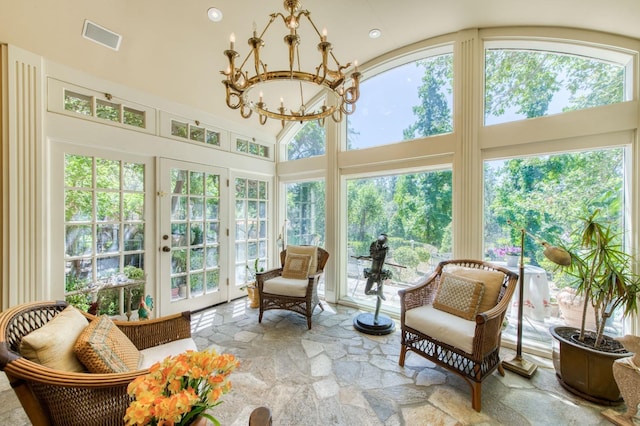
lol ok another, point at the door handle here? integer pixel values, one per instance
(166, 249)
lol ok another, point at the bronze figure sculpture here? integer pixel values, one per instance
(376, 324)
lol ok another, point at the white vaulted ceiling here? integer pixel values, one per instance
(171, 49)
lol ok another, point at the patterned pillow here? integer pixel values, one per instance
(459, 296)
(492, 281)
(296, 266)
(309, 250)
(103, 348)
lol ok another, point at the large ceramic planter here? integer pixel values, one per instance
(583, 371)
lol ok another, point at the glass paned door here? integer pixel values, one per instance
(192, 252)
(251, 225)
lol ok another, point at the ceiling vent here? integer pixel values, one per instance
(101, 35)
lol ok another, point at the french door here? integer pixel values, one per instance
(193, 229)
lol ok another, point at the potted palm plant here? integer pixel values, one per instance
(603, 275)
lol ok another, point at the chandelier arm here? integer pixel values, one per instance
(230, 97)
(333, 115)
(307, 14)
(245, 112)
(300, 81)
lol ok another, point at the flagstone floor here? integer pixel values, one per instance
(334, 375)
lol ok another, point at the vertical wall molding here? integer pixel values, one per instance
(22, 216)
(468, 179)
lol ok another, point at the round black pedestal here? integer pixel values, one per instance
(364, 323)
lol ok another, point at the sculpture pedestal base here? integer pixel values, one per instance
(365, 324)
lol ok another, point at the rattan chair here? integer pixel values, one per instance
(304, 305)
(52, 397)
(484, 358)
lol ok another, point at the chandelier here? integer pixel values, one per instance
(241, 84)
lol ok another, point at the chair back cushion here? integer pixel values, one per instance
(52, 344)
(492, 281)
(286, 286)
(296, 266)
(459, 295)
(103, 348)
(443, 326)
(308, 250)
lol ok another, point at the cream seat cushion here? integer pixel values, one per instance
(308, 250)
(52, 344)
(286, 286)
(154, 354)
(442, 326)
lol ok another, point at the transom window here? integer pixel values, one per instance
(407, 102)
(523, 83)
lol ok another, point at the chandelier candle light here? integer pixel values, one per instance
(241, 82)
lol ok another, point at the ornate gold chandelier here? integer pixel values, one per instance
(241, 84)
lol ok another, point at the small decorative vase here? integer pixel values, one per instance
(512, 261)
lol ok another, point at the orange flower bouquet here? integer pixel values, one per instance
(181, 388)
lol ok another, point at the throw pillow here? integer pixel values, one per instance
(296, 266)
(308, 250)
(459, 296)
(52, 344)
(104, 348)
(492, 284)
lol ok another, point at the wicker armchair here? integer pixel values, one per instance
(52, 397)
(478, 363)
(304, 305)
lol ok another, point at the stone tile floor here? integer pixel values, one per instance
(334, 375)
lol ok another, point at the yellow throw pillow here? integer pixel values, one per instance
(492, 284)
(459, 296)
(104, 348)
(296, 266)
(52, 344)
(308, 250)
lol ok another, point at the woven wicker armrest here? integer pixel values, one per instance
(420, 294)
(261, 277)
(155, 332)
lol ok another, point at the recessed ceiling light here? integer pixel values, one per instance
(375, 33)
(214, 14)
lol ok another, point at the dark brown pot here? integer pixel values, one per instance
(585, 371)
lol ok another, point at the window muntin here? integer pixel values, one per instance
(526, 83)
(407, 102)
(547, 195)
(104, 223)
(415, 211)
(310, 141)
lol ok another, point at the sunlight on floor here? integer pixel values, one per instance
(202, 320)
(239, 306)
